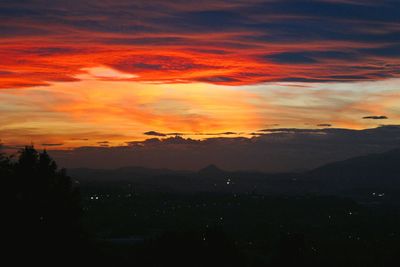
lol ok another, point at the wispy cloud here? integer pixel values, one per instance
(375, 117)
(111, 70)
(51, 145)
(154, 133)
(219, 42)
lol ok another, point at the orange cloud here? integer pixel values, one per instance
(121, 111)
(246, 42)
(111, 70)
(94, 110)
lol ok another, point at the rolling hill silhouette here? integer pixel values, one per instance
(373, 172)
(378, 171)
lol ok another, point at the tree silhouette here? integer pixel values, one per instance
(4, 165)
(44, 207)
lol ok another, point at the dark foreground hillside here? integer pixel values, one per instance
(342, 214)
(253, 230)
(141, 217)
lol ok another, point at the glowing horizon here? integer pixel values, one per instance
(107, 73)
(94, 112)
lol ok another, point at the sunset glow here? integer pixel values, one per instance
(70, 78)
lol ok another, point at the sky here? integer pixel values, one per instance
(106, 74)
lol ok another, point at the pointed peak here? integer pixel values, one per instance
(210, 169)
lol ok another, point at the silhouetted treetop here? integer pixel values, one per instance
(45, 212)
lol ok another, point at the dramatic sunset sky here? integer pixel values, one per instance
(84, 73)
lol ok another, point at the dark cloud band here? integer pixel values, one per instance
(220, 42)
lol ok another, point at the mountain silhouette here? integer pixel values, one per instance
(380, 170)
(211, 170)
(373, 172)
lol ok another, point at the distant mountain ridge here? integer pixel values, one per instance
(373, 170)
(380, 171)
